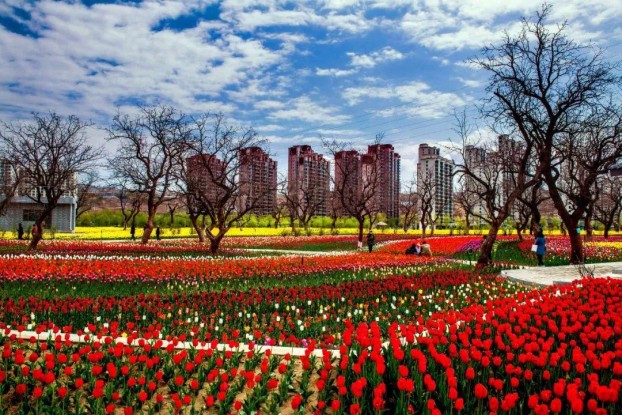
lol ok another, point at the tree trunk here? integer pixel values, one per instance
(576, 243)
(577, 256)
(606, 231)
(36, 236)
(194, 219)
(305, 223)
(148, 227)
(215, 242)
(519, 232)
(589, 230)
(126, 219)
(536, 217)
(172, 213)
(485, 251)
(361, 220)
(467, 225)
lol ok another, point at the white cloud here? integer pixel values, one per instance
(339, 132)
(269, 127)
(268, 105)
(303, 108)
(249, 16)
(334, 72)
(340, 4)
(424, 101)
(369, 61)
(358, 61)
(471, 83)
(88, 60)
(471, 24)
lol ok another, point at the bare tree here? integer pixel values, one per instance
(305, 203)
(213, 186)
(426, 191)
(528, 208)
(151, 144)
(87, 199)
(608, 201)
(333, 210)
(409, 201)
(437, 213)
(188, 185)
(48, 153)
(468, 200)
(130, 202)
(172, 207)
(9, 183)
(279, 211)
(554, 94)
(354, 183)
(497, 173)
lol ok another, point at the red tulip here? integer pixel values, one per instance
(296, 402)
(480, 391)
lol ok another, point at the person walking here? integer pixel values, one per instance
(20, 231)
(540, 242)
(371, 240)
(133, 232)
(158, 233)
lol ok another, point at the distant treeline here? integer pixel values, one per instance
(181, 220)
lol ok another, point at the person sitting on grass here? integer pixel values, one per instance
(415, 249)
(426, 249)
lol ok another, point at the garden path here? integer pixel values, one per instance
(546, 276)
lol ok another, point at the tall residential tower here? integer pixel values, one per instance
(257, 181)
(308, 178)
(438, 172)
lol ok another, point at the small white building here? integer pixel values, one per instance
(23, 209)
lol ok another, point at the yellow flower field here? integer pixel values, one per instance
(112, 232)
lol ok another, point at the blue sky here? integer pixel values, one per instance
(294, 70)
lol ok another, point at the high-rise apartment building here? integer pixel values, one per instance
(205, 171)
(380, 168)
(387, 168)
(348, 181)
(474, 158)
(500, 166)
(438, 172)
(308, 178)
(257, 181)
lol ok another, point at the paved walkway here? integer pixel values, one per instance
(545, 276)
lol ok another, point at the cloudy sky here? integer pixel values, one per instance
(294, 70)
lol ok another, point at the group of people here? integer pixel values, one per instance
(133, 232)
(33, 231)
(423, 249)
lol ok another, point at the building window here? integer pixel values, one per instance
(31, 215)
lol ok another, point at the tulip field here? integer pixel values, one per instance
(597, 249)
(121, 328)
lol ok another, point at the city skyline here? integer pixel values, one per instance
(293, 70)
